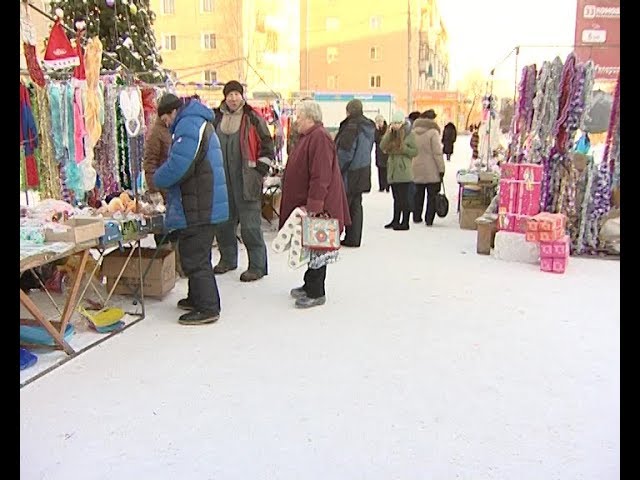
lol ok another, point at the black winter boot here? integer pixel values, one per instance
(396, 218)
(404, 224)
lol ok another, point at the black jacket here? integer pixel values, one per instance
(381, 157)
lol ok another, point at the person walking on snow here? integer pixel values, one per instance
(427, 166)
(247, 148)
(194, 178)
(354, 142)
(449, 135)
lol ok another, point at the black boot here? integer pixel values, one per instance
(404, 224)
(396, 218)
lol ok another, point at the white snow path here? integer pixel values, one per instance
(427, 361)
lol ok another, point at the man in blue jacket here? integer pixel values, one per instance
(354, 143)
(194, 179)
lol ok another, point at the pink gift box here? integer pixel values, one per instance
(530, 172)
(550, 221)
(552, 236)
(521, 222)
(562, 247)
(509, 171)
(528, 198)
(533, 237)
(506, 222)
(508, 196)
(546, 264)
(546, 249)
(560, 264)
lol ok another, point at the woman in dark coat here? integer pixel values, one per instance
(381, 157)
(313, 182)
(448, 139)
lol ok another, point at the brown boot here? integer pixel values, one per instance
(251, 276)
(221, 268)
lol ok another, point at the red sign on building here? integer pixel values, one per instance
(597, 36)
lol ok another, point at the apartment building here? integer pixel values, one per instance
(373, 46)
(211, 41)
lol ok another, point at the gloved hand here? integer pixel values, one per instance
(262, 169)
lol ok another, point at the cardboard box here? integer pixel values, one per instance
(530, 172)
(468, 217)
(476, 201)
(159, 280)
(486, 235)
(529, 194)
(509, 171)
(508, 196)
(79, 230)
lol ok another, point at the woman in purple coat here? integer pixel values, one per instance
(313, 182)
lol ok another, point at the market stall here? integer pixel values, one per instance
(550, 168)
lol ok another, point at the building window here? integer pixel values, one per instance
(206, 6)
(208, 41)
(169, 42)
(210, 76)
(332, 54)
(332, 24)
(374, 81)
(374, 53)
(332, 82)
(375, 22)
(168, 7)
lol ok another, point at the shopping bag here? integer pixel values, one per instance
(320, 233)
(442, 204)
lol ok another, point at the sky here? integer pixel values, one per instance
(482, 33)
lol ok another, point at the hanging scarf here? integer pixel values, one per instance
(28, 138)
(107, 146)
(29, 43)
(131, 108)
(613, 120)
(49, 178)
(92, 59)
(79, 130)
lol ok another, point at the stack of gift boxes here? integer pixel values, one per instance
(520, 191)
(548, 229)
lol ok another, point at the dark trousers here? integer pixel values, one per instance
(400, 193)
(249, 216)
(382, 178)
(353, 233)
(314, 282)
(432, 191)
(194, 245)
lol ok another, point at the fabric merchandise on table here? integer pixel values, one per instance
(28, 138)
(107, 148)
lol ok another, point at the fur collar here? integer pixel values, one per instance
(422, 125)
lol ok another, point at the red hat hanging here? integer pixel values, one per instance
(79, 71)
(59, 54)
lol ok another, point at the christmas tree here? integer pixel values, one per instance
(125, 30)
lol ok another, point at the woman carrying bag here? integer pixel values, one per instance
(427, 166)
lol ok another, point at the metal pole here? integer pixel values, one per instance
(409, 103)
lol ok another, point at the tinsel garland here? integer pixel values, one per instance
(106, 148)
(136, 150)
(124, 175)
(49, 181)
(545, 111)
(614, 122)
(579, 246)
(600, 204)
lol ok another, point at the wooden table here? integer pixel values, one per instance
(39, 260)
(73, 298)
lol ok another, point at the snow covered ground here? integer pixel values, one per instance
(428, 361)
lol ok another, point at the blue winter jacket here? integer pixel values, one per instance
(193, 175)
(354, 143)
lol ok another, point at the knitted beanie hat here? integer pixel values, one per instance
(168, 103)
(233, 86)
(398, 117)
